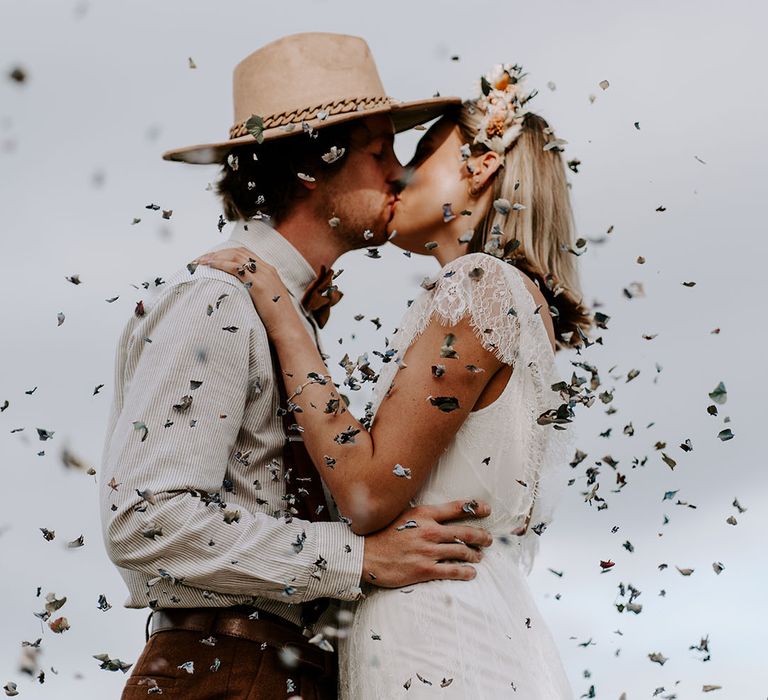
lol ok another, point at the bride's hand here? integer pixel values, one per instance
(261, 279)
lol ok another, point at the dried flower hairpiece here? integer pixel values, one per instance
(503, 101)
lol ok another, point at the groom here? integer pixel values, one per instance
(210, 506)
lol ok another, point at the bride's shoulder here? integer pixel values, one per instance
(470, 261)
(480, 279)
(481, 267)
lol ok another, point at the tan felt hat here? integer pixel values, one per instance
(313, 79)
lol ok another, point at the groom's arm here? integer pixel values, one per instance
(187, 337)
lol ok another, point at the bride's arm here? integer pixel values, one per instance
(373, 475)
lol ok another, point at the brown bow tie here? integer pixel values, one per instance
(320, 296)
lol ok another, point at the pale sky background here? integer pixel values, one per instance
(109, 88)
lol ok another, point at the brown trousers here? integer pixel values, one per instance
(232, 669)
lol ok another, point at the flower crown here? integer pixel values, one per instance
(503, 101)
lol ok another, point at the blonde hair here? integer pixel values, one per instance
(536, 236)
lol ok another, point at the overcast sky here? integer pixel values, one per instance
(109, 86)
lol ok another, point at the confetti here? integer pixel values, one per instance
(502, 206)
(444, 403)
(18, 75)
(333, 154)
(59, 625)
(407, 525)
(255, 127)
(109, 664)
(719, 394)
(447, 350)
(402, 471)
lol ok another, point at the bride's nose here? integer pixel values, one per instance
(406, 176)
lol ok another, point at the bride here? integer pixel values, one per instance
(465, 406)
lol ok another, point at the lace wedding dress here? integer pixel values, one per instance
(484, 638)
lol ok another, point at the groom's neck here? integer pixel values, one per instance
(312, 238)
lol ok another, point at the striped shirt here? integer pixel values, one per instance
(193, 491)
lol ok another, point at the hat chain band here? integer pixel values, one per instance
(298, 116)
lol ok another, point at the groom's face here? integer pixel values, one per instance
(363, 194)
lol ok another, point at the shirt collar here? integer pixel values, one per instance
(268, 243)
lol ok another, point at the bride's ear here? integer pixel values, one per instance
(481, 170)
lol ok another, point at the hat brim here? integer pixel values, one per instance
(405, 115)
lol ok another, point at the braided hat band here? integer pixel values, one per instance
(321, 112)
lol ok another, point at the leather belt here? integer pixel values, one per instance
(231, 622)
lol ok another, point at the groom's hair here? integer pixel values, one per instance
(266, 178)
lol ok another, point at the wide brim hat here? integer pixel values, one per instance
(303, 82)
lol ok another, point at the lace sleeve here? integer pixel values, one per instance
(479, 287)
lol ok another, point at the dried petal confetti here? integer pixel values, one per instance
(402, 471)
(59, 625)
(255, 127)
(444, 403)
(109, 664)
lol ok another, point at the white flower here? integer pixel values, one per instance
(503, 106)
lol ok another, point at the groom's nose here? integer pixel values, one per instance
(395, 173)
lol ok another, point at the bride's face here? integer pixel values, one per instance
(439, 178)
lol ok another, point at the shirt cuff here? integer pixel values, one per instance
(339, 564)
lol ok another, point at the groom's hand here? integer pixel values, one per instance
(423, 544)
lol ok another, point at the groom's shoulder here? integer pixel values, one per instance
(192, 290)
(205, 276)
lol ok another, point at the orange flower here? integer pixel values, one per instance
(496, 125)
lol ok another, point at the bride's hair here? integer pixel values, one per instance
(538, 237)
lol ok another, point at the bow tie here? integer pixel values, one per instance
(320, 296)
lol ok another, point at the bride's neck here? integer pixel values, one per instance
(449, 250)
(448, 242)
(448, 246)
